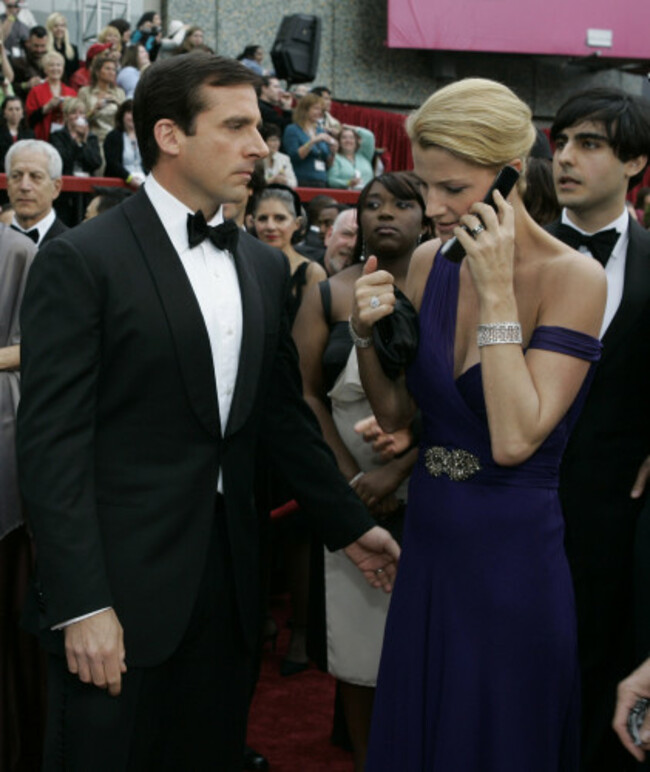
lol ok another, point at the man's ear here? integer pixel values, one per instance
(328, 235)
(635, 165)
(168, 137)
(58, 184)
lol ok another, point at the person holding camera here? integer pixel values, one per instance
(44, 105)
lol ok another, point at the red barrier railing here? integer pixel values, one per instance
(86, 185)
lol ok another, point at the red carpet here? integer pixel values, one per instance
(291, 718)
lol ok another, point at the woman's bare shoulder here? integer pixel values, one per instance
(574, 290)
(419, 269)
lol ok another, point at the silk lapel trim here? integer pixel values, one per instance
(252, 344)
(186, 322)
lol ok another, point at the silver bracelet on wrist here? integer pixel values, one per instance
(358, 341)
(355, 479)
(499, 332)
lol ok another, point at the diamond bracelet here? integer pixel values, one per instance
(358, 341)
(500, 332)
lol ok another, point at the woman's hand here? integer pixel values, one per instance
(374, 297)
(491, 250)
(386, 445)
(52, 104)
(373, 487)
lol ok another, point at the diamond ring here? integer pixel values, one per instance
(375, 302)
(379, 571)
(479, 229)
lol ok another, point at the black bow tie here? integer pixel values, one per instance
(223, 236)
(33, 234)
(600, 244)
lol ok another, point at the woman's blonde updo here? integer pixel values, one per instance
(479, 120)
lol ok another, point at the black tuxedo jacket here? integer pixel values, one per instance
(607, 538)
(612, 436)
(119, 438)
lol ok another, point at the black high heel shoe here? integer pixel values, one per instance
(290, 666)
(254, 761)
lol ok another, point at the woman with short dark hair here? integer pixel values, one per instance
(12, 126)
(121, 149)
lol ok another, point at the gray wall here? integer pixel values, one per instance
(359, 67)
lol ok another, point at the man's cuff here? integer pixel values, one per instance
(61, 625)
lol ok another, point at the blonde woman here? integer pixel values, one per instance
(111, 35)
(479, 667)
(58, 39)
(44, 103)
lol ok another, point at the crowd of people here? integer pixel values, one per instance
(472, 430)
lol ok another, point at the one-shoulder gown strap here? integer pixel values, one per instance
(565, 341)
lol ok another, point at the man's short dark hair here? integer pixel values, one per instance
(172, 89)
(38, 32)
(320, 90)
(626, 119)
(270, 130)
(317, 204)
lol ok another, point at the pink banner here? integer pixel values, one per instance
(575, 28)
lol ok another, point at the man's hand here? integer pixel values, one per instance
(94, 648)
(641, 479)
(633, 688)
(375, 554)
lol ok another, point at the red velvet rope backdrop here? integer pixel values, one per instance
(388, 129)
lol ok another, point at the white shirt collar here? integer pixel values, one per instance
(43, 225)
(621, 223)
(173, 213)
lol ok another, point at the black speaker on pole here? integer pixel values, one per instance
(296, 49)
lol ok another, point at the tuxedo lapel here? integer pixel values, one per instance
(181, 307)
(252, 345)
(635, 286)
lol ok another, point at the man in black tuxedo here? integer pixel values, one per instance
(157, 360)
(34, 170)
(602, 141)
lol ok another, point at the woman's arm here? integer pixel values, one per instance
(367, 146)
(7, 69)
(311, 333)
(527, 396)
(390, 400)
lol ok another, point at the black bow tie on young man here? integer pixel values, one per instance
(599, 244)
(223, 236)
(33, 234)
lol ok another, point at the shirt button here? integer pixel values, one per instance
(230, 331)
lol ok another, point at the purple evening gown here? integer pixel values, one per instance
(479, 670)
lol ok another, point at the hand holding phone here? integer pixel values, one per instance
(505, 181)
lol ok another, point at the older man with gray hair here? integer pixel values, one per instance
(340, 240)
(34, 171)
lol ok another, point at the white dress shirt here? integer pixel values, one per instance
(213, 277)
(42, 225)
(615, 268)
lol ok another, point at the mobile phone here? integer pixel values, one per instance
(504, 182)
